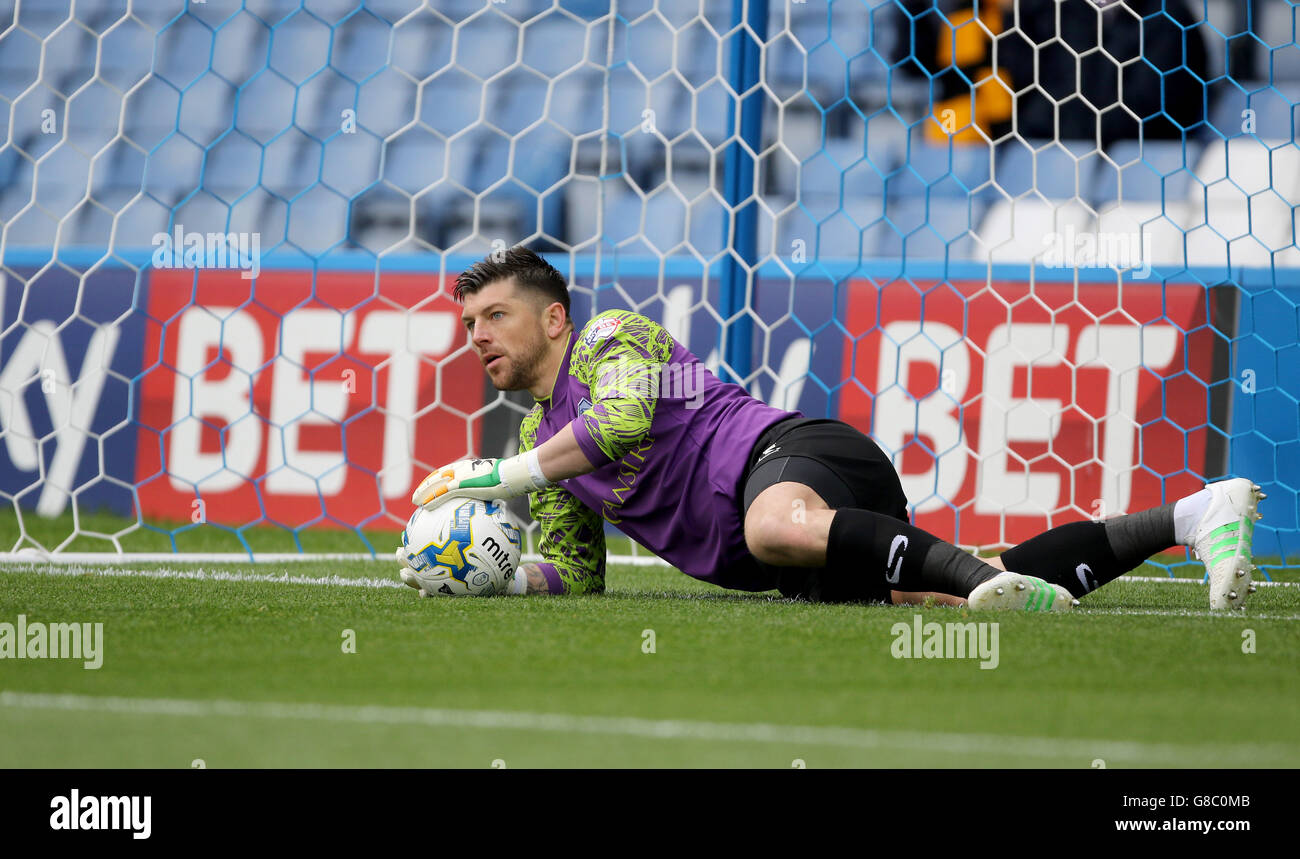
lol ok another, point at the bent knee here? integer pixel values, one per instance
(778, 537)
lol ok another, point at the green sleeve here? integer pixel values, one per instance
(620, 357)
(572, 540)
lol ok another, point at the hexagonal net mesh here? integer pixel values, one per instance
(1044, 251)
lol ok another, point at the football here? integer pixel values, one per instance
(462, 548)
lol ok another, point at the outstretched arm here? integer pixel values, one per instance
(560, 457)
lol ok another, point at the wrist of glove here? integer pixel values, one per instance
(484, 479)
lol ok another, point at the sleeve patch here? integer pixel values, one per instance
(601, 329)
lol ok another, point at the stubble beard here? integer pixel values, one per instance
(524, 369)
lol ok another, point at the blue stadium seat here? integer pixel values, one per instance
(843, 160)
(516, 102)
(1056, 170)
(1274, 109)
(203, 213)
(841, 237)
(387, 103)
(207, 109)
(360, 47)
(852, 30)
(138, 221)
(317, 223)
(173, 170)
(41, 19)
(183, 51)
(486, 45)
(491, 161)
(697, 54)
(1274, 28)
(950, 171)
(554, 44)
(628, 97)
(118, 175)
(451, 101)
(572, 98)
(827, 73)
(321, 105)
(232, 165)
(290, 165)
(713, 107)
(708, 219)
(264, 106)
(784, 64)
(1150, 171)
(351, 163)
(93, 118)
(665, 220)
(240, 48)
(809, 25)
(414, 162)
(920, 233)
(69, 58)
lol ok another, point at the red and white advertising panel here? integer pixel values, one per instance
(1011, 409)
(292, 405)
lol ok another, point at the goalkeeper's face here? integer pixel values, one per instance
(509, 335)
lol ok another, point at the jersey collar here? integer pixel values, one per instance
(559, 392)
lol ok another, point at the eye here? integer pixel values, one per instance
(498, 313)
(469, 325)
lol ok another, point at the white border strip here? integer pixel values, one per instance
(1081, 751)
(1202, 580)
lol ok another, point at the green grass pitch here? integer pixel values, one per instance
(247, 672)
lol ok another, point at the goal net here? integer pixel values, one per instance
(1043, 251)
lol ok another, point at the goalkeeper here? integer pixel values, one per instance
(630, 428)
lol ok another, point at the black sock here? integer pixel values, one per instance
(900, 555)
(1083, 556)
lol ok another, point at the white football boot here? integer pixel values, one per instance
(1222, 540)
(1018, 592)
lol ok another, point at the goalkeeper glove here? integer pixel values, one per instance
(484, 479)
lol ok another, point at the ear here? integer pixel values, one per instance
(554, 319)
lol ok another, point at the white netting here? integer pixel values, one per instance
(1052, 275)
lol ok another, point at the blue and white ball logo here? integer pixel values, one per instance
(463, 548)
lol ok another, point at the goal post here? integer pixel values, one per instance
(229, 232)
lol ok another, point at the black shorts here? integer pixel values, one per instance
(846, 469)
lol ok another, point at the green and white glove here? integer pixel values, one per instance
(484, 479)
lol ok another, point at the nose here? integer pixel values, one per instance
(481, 338)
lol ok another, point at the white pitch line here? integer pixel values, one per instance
(1201, 581)
(218, 576)
(363, 582)
(33, 556)
(1183, 612)
(1080, 750)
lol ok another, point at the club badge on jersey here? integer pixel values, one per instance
(601, 330)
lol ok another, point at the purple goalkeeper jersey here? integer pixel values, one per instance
(671, 443)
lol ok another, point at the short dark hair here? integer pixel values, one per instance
(529, 270)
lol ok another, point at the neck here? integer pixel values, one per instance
(550, 368)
